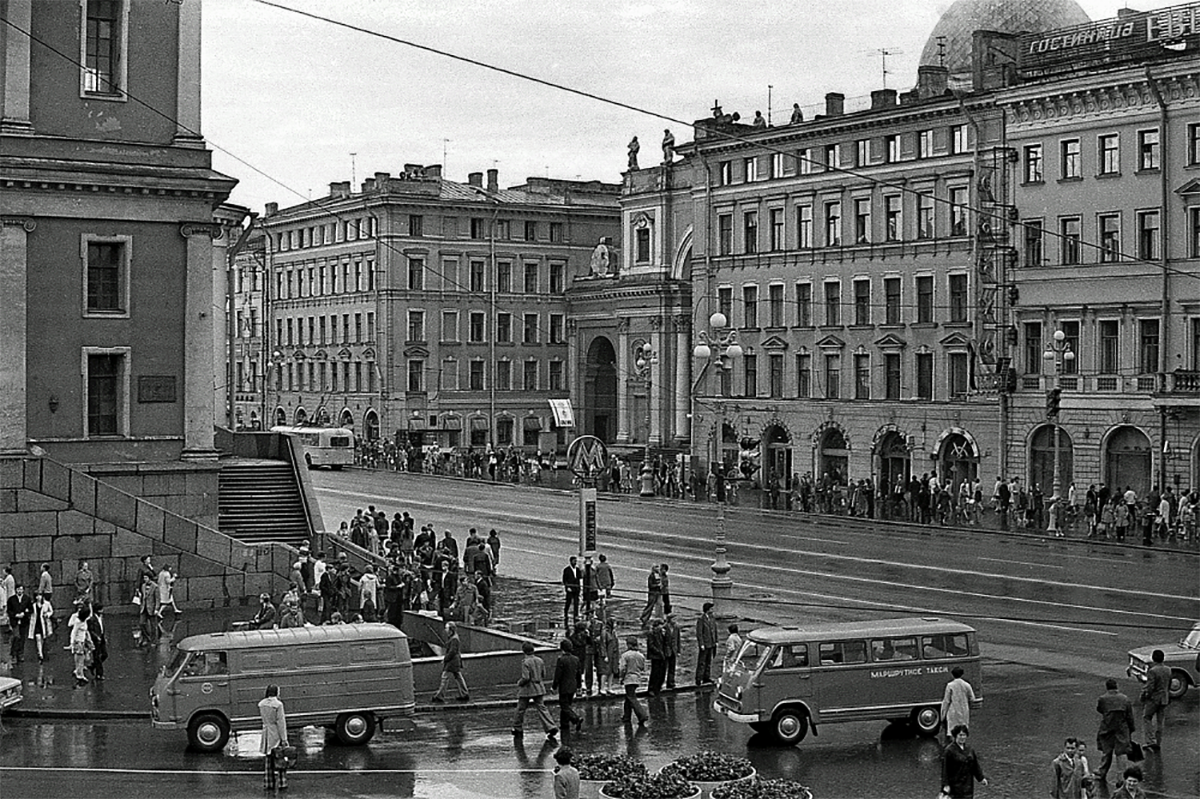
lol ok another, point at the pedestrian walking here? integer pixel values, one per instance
(531, 689)
(706, 644)
(46, 583)
(960, 766)
(95, 625)
(593, 655)
(81, 643)
(166, 592)
(572, 580)
(274, 740)
(1155, 697)
(653, 595)
(566, 776)
(656, 651)
(1067, 773)
(452, 667)
(632, 667)
(1116, 727)
(674, 642)
(41, 624)
(566, 683)
(493, 542)
(610, 644)
(665, 587)
(1131, 785)
(20, 616)
(733, 645)
(956, 700)
(148, 611)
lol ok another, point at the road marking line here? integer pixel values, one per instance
(1023, 563)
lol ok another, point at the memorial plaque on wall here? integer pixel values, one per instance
(156, 388)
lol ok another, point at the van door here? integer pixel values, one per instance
(785, 677)
(204, 682)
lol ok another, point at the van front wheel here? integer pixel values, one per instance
(208, 732)
(355, 729)
(790, 726)
(927, 720)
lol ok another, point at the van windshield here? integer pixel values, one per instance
(176, 662)
(752, 655)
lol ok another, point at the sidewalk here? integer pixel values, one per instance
(523, 607)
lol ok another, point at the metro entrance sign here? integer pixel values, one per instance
(587, 457)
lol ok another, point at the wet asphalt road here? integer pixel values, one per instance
(458, 754)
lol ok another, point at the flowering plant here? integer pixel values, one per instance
(762, 789)
(652, 786)
(710, 767)
(606, 767)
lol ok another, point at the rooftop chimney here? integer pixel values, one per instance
(932, 80)
(493, 180)
(475, 179)
(368, 185)
(433, 171)
(835, 104)
(271, 209)
(883, 98)
(338, 190)
(381, 180)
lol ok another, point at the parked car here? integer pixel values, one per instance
(1183, 658)
(10, 692)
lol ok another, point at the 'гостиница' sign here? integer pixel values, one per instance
(1129, 38)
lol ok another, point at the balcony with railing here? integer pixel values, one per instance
(1181, 387)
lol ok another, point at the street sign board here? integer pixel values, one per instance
(587, 457)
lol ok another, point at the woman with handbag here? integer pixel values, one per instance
(274, 740)
(81, 642)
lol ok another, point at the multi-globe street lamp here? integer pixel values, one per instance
(718, 346)
(643, 364)
(1057, 355)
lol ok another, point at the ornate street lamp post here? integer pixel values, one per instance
(643, 364)
(719, 346)
(1057, 355)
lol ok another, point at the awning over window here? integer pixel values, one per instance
(564, 415)
(533, 423)
(479, 423)
(452, 423)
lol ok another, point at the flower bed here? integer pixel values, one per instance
(654, 786)
(607, 768)
(762, 789)
(710, 767)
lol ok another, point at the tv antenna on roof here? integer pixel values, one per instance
(884, 52)
(941, 45)
(353, 178)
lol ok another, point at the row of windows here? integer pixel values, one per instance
(1105, 358)
(872, 220)
(861, 309)
(1108, 155)
(366, 227)
(829, 382)
(323, 330)
(319, 280)
(505, 376)
(322, 376)
(890, 149)
(477, 272)
(531, 327)
(1110, 248)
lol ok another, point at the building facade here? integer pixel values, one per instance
(428, 311)
(107, 244)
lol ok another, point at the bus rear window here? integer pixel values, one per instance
(339, 441)
(945, 645)
(837, 653)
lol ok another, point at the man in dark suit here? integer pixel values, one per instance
(566, 682)
(572, 580)
(452, 666)
(20, 613)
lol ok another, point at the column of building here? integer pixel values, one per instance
(683, 358)
(658, 386)
(198, 363)
(623, 378)
(14, 262)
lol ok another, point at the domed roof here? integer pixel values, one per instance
(964, 17)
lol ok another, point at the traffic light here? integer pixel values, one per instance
(1053, 399)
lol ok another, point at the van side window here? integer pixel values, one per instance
(790, 656)
(884, 649)
(945, 645)
(837, 653)
(206, 664)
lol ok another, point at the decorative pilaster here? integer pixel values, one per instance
(623, 377)
(657, 386)
(187, 86)
(198, 366)
(14, 91)
(14, 262)
(683, 383)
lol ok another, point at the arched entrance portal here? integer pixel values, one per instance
(834, 456)
(301, 417)
(347, 419)
(777, 460)
(1127, 461)
(957, 461)
(371, 425)
(600, 390)
(280, 417)
(1041, 459)
(895, 461)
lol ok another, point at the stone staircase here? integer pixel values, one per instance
(261, 501)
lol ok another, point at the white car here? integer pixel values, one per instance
(10, 692)
(1183, 658)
